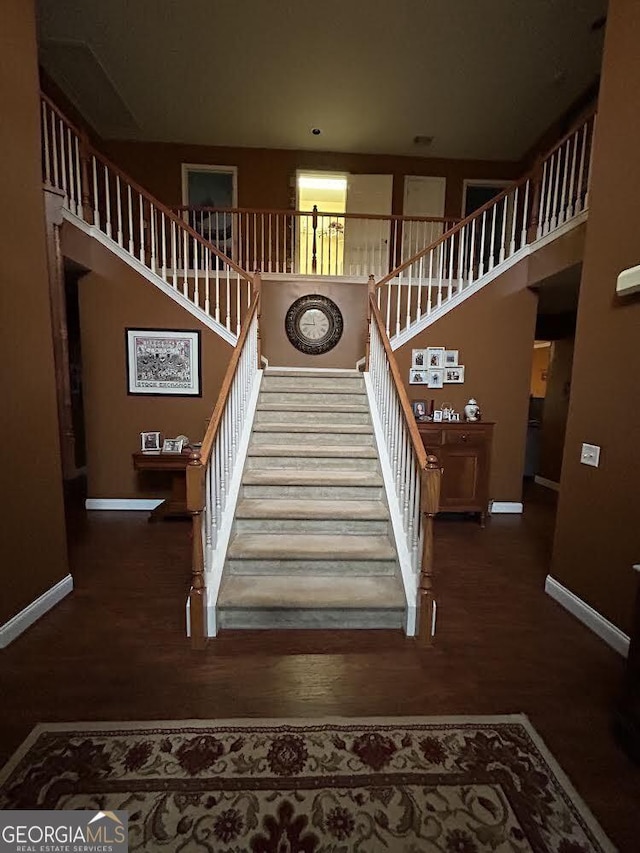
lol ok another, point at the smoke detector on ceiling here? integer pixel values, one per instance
(422, 140)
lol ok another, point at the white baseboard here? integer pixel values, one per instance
(122, 503)
(595, 621)
(549, 484)
(32, 612)
(496, 507)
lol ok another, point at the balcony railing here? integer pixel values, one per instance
(314, 242)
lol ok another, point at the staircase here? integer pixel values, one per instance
(311, 543)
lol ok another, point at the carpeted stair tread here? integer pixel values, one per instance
(302, 508)
(285, 546)
(337, 451)
(347, 408)
(308, 428)
(300, 388)
(315, 372)
(314, 593)
(295, 477)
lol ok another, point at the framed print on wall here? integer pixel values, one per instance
(417, 377)
(435, 378)
(435, 357)
(454, 375)
(418, 359)
(162, 362)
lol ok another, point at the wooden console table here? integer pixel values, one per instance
(464, 451)
(176, 464)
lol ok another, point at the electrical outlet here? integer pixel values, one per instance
(590, 455)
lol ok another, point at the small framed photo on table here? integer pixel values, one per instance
(172, 445)
(150, 442)
(419, 409)
(437, 415)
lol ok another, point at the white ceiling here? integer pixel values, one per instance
(483, 77)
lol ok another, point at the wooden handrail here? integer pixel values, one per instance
(274, 212)
(418, 447)
(587, 117)
(216, 417)
(528, 176)
(162, 208)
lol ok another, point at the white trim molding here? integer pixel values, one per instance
(498, 507)
(595, 621)
(139, 504)
(548, 484)
(409, 579)
(12, 629)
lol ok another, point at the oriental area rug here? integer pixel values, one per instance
(399, 785)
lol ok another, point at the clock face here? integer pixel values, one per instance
(314, 324)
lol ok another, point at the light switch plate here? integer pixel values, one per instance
(590, 455)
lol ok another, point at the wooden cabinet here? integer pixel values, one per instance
(627, 715)
(464, 451)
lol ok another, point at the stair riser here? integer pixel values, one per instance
(317, 568)
(318, 400)
(348, 619)
(313, 492)
(293, 416)
(318, 374)
(307, 463)
(365, 527)
(319, 383)
(313, 438)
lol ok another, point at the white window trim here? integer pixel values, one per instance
(206, 167)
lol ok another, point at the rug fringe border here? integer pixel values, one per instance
(301, 722)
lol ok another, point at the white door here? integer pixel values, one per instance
(366, 241)
(423, 196)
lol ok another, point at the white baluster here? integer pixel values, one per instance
(228, 323)
(238, 312)
(63, 165)
(562, 213)
(472, 249)
(96, 212)
(130, 219)
(153, 237)
(503, 236)
(45, 143)
(107, 201)
(78, 170)
(119, 209)
(54, 149)
(542, 203)
(163, 238)
(196, 265)
(174, 255)
(72, 184)
(185, 262)
(483, 244)
(207, 261)
(450, 243)
(493, 238)
(514, 214)
(216, 260)
(555, 217)
(525, 211)
(141, 227)
(574, 157)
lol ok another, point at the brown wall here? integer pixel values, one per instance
(113, 297)
(277, 296)
(32, 546)
(556, 410)
(493, 331)
(597, 537)
(558, 255)
(266, 177)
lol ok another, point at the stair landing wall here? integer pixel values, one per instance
(277, 296)
(113, 297)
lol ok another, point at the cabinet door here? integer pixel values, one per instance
(461, 478)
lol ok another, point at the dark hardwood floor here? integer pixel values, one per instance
(115, 650)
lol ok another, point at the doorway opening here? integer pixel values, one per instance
(322, 196)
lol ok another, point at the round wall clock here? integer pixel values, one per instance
(314, 324)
